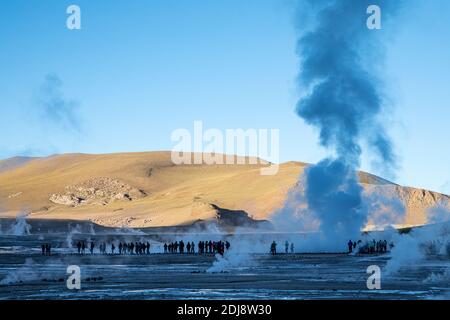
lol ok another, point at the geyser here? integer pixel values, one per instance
(342, 98)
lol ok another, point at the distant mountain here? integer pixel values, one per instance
(12, 163)
(147, 190)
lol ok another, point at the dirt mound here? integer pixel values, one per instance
(97, 191)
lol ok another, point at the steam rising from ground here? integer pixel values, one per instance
(128, 230)
(240, 254)
(24, 273)
(30, 272)
(341, 97)
(20, 227)
(421, 243)
(72, 231)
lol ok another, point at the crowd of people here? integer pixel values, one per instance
(369, 247)
(206, 247)
(139, 248)
(123, 248)
(203, 247)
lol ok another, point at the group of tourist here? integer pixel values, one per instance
(139, 248)
(202, 247)
(288, 247)
(134, 248)
(208, 247)
(123, 248)
(369, 247)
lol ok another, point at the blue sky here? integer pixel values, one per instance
(137, 70)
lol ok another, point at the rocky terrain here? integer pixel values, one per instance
(100, 191)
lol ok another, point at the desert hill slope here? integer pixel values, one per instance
(146, 189)
(15, 162)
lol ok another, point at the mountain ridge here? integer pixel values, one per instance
(174, 194)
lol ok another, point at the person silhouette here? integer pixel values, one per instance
(273, 248)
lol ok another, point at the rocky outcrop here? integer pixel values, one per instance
(226, 219)
(99, 191)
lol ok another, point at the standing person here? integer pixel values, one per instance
(148, 247)
(188, 247)
(165, 247)
(92, 247)
(350, 246)
(43, 249)
(292, 247)
(273, 248)
(83, 247)
(192, 247)
(181, 246)
(113, 248)
(286, 247)
(79, 247)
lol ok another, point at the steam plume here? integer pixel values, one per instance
(20, 227)
(342, 98)
(55, 107)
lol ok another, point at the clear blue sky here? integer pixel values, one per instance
(137, 70)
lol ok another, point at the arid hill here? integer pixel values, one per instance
(148, 190)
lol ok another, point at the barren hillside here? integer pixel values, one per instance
(147, 189)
